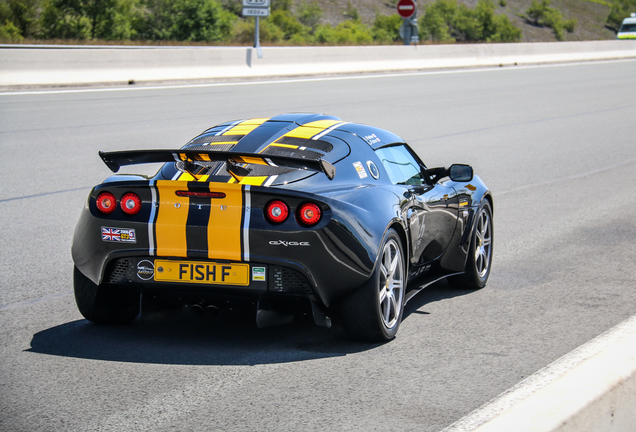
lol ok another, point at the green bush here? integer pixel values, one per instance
(10, 33)
(309, 14)
(386, 28)
(189, 20)
(18, 18)
(124, 20)
(435, 24)
(505, 31)
(541, 14)
(351, 12)
(58, 22)
(347, 32)
(445, 21)
(243, 31)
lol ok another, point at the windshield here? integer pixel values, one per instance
(627, 28)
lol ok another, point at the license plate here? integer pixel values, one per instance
(202, 273)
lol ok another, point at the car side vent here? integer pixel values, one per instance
(120, 271)
(286, 280)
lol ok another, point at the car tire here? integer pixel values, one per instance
(105, 304)
(373, 313)
(479, 260)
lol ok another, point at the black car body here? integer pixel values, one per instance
(291, 212)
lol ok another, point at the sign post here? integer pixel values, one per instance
(256, 9)
(409, 29)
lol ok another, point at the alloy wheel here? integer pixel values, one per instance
(391, 292)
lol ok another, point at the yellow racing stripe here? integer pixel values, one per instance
(309, 130)
(283, 145)
(224, 228)
(172, 216)
(188, 177)
(255, 181)
(245, 127)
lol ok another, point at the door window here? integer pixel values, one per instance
(400, 165)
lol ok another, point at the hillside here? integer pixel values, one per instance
(303, 22)
(590, 16)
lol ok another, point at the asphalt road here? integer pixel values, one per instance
(556, 145)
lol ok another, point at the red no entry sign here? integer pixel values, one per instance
(406, 8)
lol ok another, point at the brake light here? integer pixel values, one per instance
(308, 214)
(276, 212)
(130, 203)
(106, 202)
(196, 194)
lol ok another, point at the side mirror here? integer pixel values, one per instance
(460, 173)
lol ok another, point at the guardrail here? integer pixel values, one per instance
(22, 65)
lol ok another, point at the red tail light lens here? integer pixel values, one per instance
(308, 214)
(130, 203)
(276, 212)
(106, 202)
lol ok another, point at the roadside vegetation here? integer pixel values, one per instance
(292, 22)
(540, 13)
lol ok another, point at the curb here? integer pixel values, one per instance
(593, 389)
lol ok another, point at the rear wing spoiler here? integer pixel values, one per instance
(235, 160)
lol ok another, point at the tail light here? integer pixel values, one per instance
(130, 203)
(106, 202)
(308, 214)
(276, 212)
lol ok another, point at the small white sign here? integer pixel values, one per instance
(261, 3)
(255, 12)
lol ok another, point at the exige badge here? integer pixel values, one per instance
(288, 243)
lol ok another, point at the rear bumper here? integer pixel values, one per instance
(147, 272)
(323, 264)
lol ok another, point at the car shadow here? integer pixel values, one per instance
(231, 339)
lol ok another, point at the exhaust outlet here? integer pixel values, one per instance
(213, 310)
(197, 309)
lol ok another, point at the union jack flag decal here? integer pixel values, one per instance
(118, 235)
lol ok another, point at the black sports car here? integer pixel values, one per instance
(299, 213)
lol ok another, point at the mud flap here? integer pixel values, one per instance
(320, 317)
